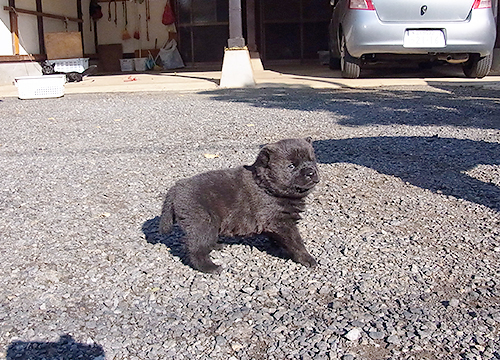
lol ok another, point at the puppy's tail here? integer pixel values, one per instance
(90, 70)
(167, 214)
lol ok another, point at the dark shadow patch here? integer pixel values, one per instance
(452, 106)
(172, 240)
(261, 242)
(433, 163)
(65, 348)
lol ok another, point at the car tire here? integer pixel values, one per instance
(349, 66)
(477, 67)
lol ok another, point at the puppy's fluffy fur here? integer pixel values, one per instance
(266, 197)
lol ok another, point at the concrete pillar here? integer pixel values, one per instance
(236, 67)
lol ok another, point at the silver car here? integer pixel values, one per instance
(456, 31)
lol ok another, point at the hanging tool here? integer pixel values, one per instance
(148, 17)
(137, 33)
(116, 12)
(95, 12)
(125, 33)
(109, 10)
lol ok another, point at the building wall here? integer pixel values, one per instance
(5, 37)
(108, 32)
(28, 29)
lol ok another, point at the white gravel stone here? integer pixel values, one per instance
(353, 334)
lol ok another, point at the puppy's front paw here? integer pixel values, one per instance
(204, 264)
(305, 259)
(210, 268)
(310, 262)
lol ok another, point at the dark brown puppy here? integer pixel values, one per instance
(266, 197)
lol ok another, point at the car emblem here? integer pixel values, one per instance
(423, 10)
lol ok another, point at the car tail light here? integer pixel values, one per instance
(481, 4)
(362, 4)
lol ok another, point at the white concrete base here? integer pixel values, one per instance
(10, 71)
(237, 69)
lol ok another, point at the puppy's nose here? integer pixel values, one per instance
(312, 174)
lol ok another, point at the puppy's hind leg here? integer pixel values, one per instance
(167, 218)
(200, 240)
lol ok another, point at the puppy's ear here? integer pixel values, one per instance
(264, 156)
(309, 139)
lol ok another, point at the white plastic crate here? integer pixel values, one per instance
(39, 87)
(127, 65)
(69, 65)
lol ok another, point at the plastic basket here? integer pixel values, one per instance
(69, 65)
(40, 87)
(140, 64)
(127, 64)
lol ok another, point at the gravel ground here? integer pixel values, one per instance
(405, 225)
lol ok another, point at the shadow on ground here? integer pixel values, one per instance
(433, 163)
(390, 68)
(65, 348)
(437, 164)
(173, 241)
(448, 106)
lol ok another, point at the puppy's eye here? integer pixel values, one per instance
(291, 166)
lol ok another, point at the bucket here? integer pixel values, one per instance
(127, 64)
(140, 64)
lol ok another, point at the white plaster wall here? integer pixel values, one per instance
(88, 31)
(5, 37)
(28, 30)
(10, 71)
(109, 33)
(59, 7)
(28, 38)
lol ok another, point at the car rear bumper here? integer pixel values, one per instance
(366, 34)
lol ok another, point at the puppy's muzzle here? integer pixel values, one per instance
(311, 174)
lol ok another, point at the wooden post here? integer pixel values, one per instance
(236, 39)
(41, 33)
(252, 43)
(251, 37)
(80, 24)
(14, 28)
(96, 42)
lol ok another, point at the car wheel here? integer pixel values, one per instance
(477, 67)
(349, 66)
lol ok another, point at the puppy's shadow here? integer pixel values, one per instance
(260, 242)
(174, 241)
